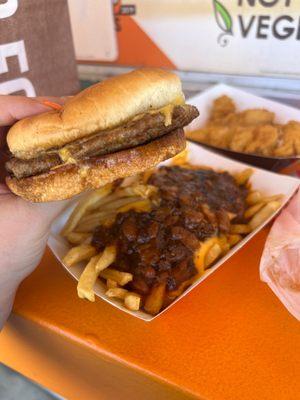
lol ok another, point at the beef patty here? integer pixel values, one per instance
(131, 134)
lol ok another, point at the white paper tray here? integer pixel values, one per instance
(267, 182)
(244, 100)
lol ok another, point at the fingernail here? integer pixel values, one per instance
(51, 104)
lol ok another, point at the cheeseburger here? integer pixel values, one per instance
(116, 128)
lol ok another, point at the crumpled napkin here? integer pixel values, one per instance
(280, 262)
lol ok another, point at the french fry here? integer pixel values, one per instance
(144, 191)
(141, 205)
(231, 215)
(130, 180)
(79, 253)
(177, 292)
(240, 229)
(122, 278)
(223, 242)
(200, 254)
(88, 225)
(181, 158)
(87, 280)
(111, 284)
(275, 197)
(234, 239)
(107, 257)
(253, 198)
(213, 253)
(146, 175)
(125, 192)
(120, 202)
(83, 206)
(95, 216)
(132, 301)
(242, 177)
(101, 203)
(264, 214)
(108, 220)
(88, 240)
(253, 210)
(108, 204)
(156, 202)
(154, 301)
(77, 237)
(117, 292)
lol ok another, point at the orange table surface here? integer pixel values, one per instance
(230, 338)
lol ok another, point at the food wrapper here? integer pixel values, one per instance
(280, 262)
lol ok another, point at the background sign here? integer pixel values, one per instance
(241, 37)
(226, 36)
(36, 48)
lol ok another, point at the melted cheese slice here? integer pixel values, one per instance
(65, 156)
(167, 110)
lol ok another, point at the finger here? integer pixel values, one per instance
(43, 213)
(14, 108)
(4, 189)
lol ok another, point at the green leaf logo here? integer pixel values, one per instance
(224, 21)
(223, 17)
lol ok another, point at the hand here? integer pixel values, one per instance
(24, 226)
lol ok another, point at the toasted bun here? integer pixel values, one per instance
(71, 179)
(102, 106)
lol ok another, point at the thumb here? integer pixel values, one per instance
(14, 108)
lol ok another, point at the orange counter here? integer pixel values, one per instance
(230, 338)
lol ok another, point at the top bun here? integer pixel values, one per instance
(102, 106)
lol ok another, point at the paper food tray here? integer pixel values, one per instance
(243, 101)
(267, 182)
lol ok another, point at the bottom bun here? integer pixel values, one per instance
(69, 180)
